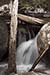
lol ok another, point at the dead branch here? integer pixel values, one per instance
(7, 9)
(31, 20)
(38, 59)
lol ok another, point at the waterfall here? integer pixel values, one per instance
(27, 53)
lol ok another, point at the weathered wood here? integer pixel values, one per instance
(25, 18)
(32, 20)
(20, 16)
(12, 42)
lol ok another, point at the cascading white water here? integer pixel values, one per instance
(27, 52)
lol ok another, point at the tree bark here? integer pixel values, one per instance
(12, 42)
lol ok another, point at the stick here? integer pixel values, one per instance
(38, 59)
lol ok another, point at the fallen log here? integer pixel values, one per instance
(31, 20)
(5, 10)
(28, 19)
(25, 18)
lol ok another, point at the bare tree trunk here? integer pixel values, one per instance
(12, 42)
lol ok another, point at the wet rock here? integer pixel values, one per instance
(3, 37)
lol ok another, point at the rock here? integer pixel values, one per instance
(3, 37)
